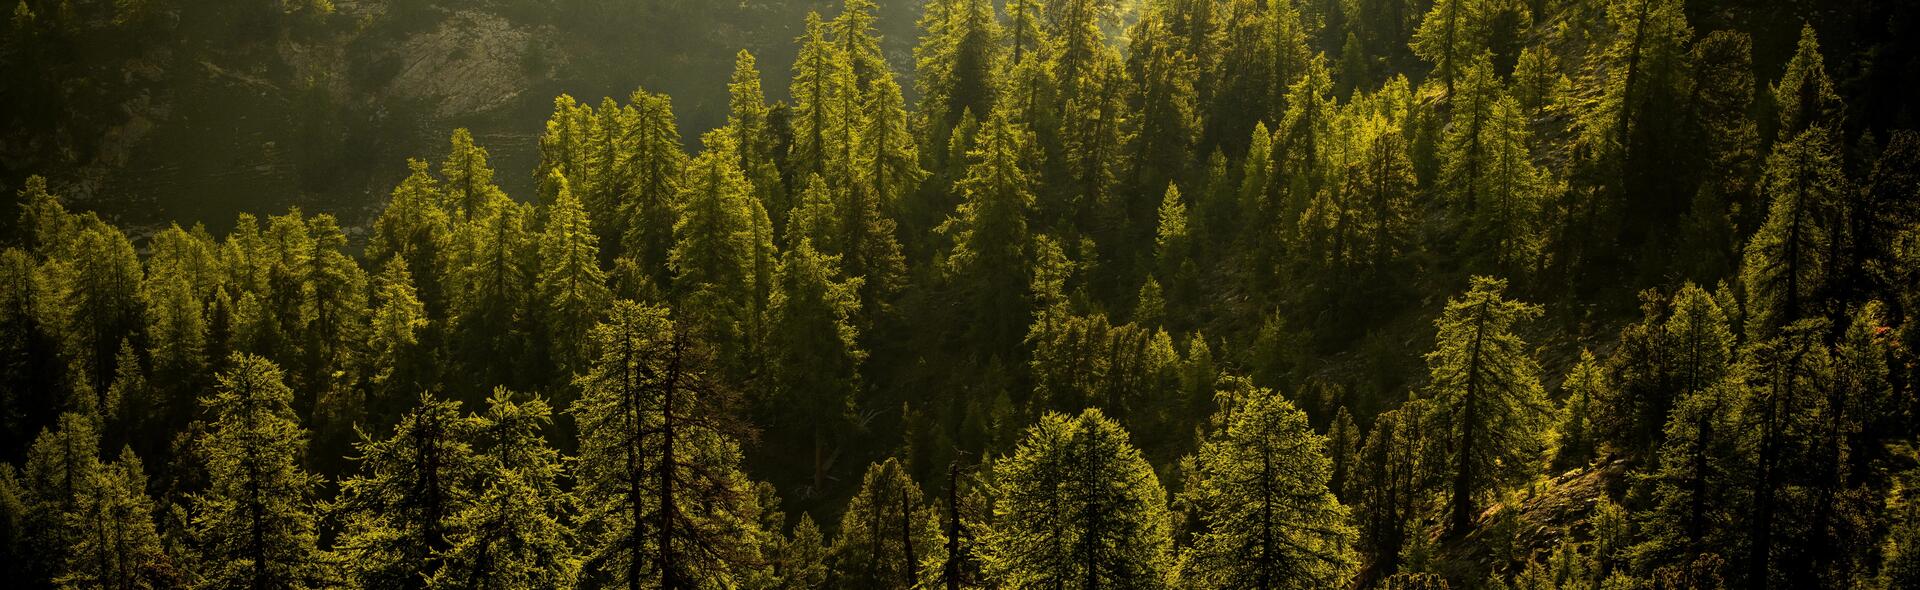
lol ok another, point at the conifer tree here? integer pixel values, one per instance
(749, 122)
(1786, 268)
(1695, 486)
(116, 545)
(571, 287)
(1488, 408)
(955, 64)
(822, 76)
(397, 513)
(401, 365)
(469, 188)
(415, 229)
(1584, 383)
(1489, 173)
(1805, 97)
(1267, 517)
(661, 499)
(815, 350)
(512, 533)
(1451, 35)
(659, 171)
(715, 249)
(1785, 397)
(255, 522)
(62, 469)
(1076, 506)
(492, 277)
(886, 533)
(888, 170)
(989, 233)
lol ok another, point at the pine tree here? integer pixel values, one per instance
(255, 522)
(748, 120)
(1451, 35)
(714, 252)
(401, 363)
(1489, 173)
(816, 355)
(1805, 97)
(1488, 405)
(886, 532)
(989, 233)
(62, 469)
(512, 533)
(1584, 383)
(955, 64)
(852, 30)
(563, 146)
(571, 287)
(661, 499)
(1267, 517)
(1163, 98)
(491, 278)
(469, 188)
(117, 546)
(398, 511)
(660, 169)
(1076, 506)
(1787, 376)
(888, 170)
(1695, 486)
(1787, 262)
(822, 76)
(415, 229)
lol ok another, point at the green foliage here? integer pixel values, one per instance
(1488, 406)
(1259, 487)
(255, 522)
(886, 533)
(1076, 506)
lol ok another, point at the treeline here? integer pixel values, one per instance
(1089, 314)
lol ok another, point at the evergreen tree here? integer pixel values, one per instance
(492, 277)
(512, 533)
(662, 502)
(401, 365)
(117, 546)
(815, 350)
(823, 75)
(886, 533)
(715, 252)
(1787, 264)
(1805, 97)
(469, 189)
(398, 511)
(571, 287)
(1488, 405)
(416, 230)
(660, 168)
(255, 523)
(955, 63)
(989, 233)
(1584, 383)
(1451, 35)
(1077, 507)
(1267, 517)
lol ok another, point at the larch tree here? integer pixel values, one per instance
(512, 532)
(255, 522)
(989, 233)
(1787, 264)
(1488, 406)
(887, 171)
(117, 545)
(491, 276)
(822, 76)
(1259, 488)
(468, 188)
(415, 229)
(1451, 35)
(955, 62)
(815, 350)
(570, 285)
(662, 502)
(1585, 383)
(887, 532)
(397, 513)
(716, 253)
(1076, 506)
(659, 168)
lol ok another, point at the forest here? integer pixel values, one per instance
(1080, 294)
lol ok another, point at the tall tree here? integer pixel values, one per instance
(662, 501)
(571, 287)
(117, 545)
(255, 522)
(1267, 517)
(1078, 507)
(512, 534)
(816, 354)
(989, 233)
(886, 533)
(1451, 35)
(397, 513)
(1488, 404)
(1788, 259)
(716, 271)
